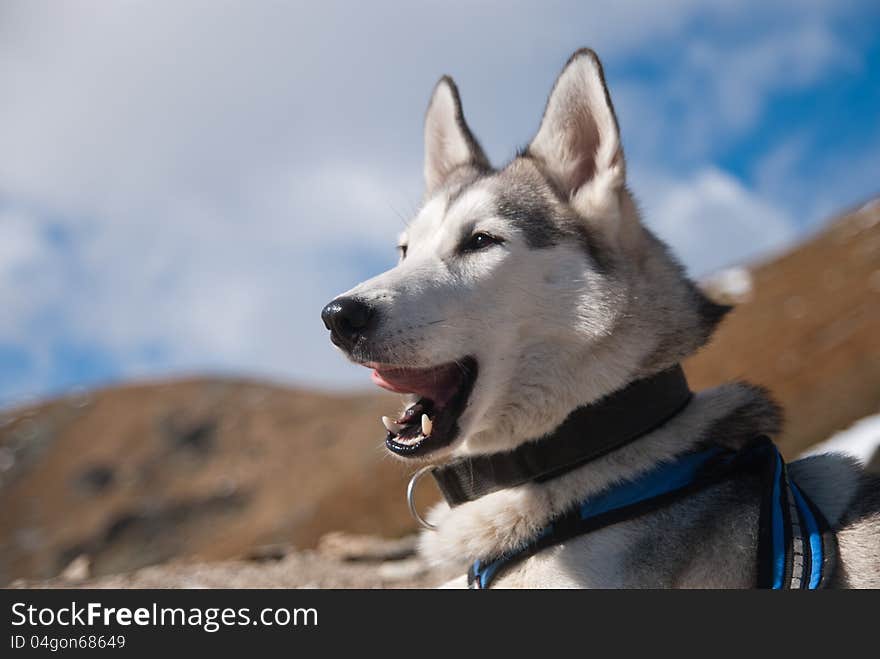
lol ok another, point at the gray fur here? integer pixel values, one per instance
(858, 537)
(530, 203)
(532, 216)
(757, 414)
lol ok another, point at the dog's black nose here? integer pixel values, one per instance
(347, 319)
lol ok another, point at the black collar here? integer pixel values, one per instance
(588, 433)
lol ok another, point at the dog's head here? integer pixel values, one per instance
(523, 292)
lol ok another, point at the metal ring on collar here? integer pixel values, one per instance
(410, 500)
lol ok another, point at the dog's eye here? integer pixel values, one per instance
(479, 241)
(402, 250)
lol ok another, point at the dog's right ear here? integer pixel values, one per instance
(578, 142)
(449, 143)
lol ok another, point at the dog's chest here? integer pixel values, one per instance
(622, 557)
(601, 560)
(707, 541)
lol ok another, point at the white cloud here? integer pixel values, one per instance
(715, 89)
(21, 244)
(219, 175)
(839, 177)
(711, 220)
(742, 78)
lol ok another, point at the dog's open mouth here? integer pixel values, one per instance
(440, 395)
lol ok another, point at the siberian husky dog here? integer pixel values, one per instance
(526, 292)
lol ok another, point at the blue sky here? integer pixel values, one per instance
(184, 184)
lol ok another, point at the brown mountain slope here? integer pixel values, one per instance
(136, 475)
(810, 333)
(213, 469)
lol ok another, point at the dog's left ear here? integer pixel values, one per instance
(449, 143)
(578, 143)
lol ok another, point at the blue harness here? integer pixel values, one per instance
(796, 549)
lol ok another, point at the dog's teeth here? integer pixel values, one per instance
(391, 426)
(427, 425)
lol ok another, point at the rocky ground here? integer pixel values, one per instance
(339, 561)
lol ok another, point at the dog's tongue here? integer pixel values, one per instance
(438, 384)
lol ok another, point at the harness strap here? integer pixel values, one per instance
(795, 548)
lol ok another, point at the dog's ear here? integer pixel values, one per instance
(578, 143)
(449, 143)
